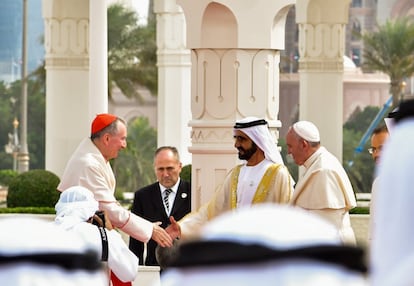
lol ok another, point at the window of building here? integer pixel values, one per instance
(356, 3)
(356, 30)
(356, 56)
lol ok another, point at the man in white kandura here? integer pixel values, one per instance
(261, 178)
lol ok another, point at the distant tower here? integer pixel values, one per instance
(11, 35)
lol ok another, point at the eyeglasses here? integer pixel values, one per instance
(372, 150)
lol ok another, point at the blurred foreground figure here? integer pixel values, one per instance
(392, 250)
(33, 252)
(75, 212)
(267, 244)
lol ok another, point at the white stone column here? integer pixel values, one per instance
(235, 57)
(174, 77)
(321, 49)
(71, 100)
(98, 58)
(67, 78)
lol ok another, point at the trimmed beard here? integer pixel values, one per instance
(247, 153)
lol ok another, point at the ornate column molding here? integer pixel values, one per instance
(212, 137)
(321, 49)
(67, 43)
(168, 36)
(229, 84)
(174, 72)
(171, 49)
(321, 46)
(233, 82)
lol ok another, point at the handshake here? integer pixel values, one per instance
(101, 219)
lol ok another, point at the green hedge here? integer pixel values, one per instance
(6, 176)
(359, 210)
(186, 173)
(28, 210)
(34, 188)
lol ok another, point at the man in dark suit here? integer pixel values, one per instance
(169, 196)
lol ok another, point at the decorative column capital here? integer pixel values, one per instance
(322, 34)
(67, 43)
(321, 47)
(171, 29)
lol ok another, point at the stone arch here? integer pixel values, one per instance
(218, 27)
(279, 22)
(403, 8)
(314, 11)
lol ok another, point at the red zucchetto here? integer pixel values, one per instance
(101, 121)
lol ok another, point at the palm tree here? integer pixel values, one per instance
(131, 53)
(134, 166)
(390, 49)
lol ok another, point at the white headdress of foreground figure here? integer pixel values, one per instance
(258, 131)
(76, 204)
(267, 244)
(34, 252)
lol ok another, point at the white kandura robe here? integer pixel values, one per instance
(280, 191)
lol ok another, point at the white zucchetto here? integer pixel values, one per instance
(307, 130)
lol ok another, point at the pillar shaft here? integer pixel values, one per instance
(70, 103)
(98, 59)
(174, 76)
(234, 74)
(321, 49)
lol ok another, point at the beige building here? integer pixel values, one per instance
(359, 91)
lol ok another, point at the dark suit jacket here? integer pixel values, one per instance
(149, 205)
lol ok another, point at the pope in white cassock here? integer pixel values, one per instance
(324, 188)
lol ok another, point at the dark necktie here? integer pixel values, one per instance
(167, 193)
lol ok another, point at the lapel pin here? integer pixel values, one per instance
(183, 195)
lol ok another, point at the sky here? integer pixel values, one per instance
(142, 8)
